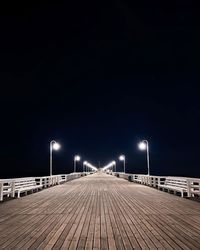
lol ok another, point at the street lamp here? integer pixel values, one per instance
(123, 158)
(76, 158)
(53, 145)
(144, 145)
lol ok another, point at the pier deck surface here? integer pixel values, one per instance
(100, 212)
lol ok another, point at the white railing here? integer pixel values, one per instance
(152, 180)
(8, 186)
(123, 175)
(192, 187)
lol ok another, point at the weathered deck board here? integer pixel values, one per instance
(100, 212)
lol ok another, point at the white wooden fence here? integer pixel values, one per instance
(11, 187)
(185, 185)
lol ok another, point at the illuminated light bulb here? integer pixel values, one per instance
(121, 157)
(56, 146)
(142, 145)
(77, 158)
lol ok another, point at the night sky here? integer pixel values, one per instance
(98, 77)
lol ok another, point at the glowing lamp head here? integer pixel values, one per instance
(121, 157)
(113, 162)
(56, 146)
(77, 158)
(85, 163)
(142, 145)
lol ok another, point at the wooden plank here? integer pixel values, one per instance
(80, 226)
(85, 229)
(90, 235)
(97, 228)
(110, 233)
(100, 212)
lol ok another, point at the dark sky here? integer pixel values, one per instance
(99, 76)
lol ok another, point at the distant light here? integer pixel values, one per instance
(91, 166)
(77, 158)
(142, 145)
(56, 146)
(111, 164)
(85, 163)
(121, 157)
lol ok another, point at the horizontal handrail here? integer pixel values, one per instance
(7, 186)
(192, 185)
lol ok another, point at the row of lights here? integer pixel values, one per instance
(56, 146)
(144, 145)
(85, 164)
(110, 165)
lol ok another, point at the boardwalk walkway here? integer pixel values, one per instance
(100, 212)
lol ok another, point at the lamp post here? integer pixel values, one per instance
(114, 165)
(53, 145)
(76, 158)
(123, 158)
(84, 164)
(144, 145)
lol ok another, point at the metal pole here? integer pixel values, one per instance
(124, 165)
(148, 157)
(51, 147)
(74, 165)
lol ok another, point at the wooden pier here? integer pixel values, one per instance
(100, 211)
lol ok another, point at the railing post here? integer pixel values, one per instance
(154, 181)
(13, 189)
(40, 180)
(59, 178)
(159, 180)
(1, 191)
(45, 182)
(142, 179)
(188, 188)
